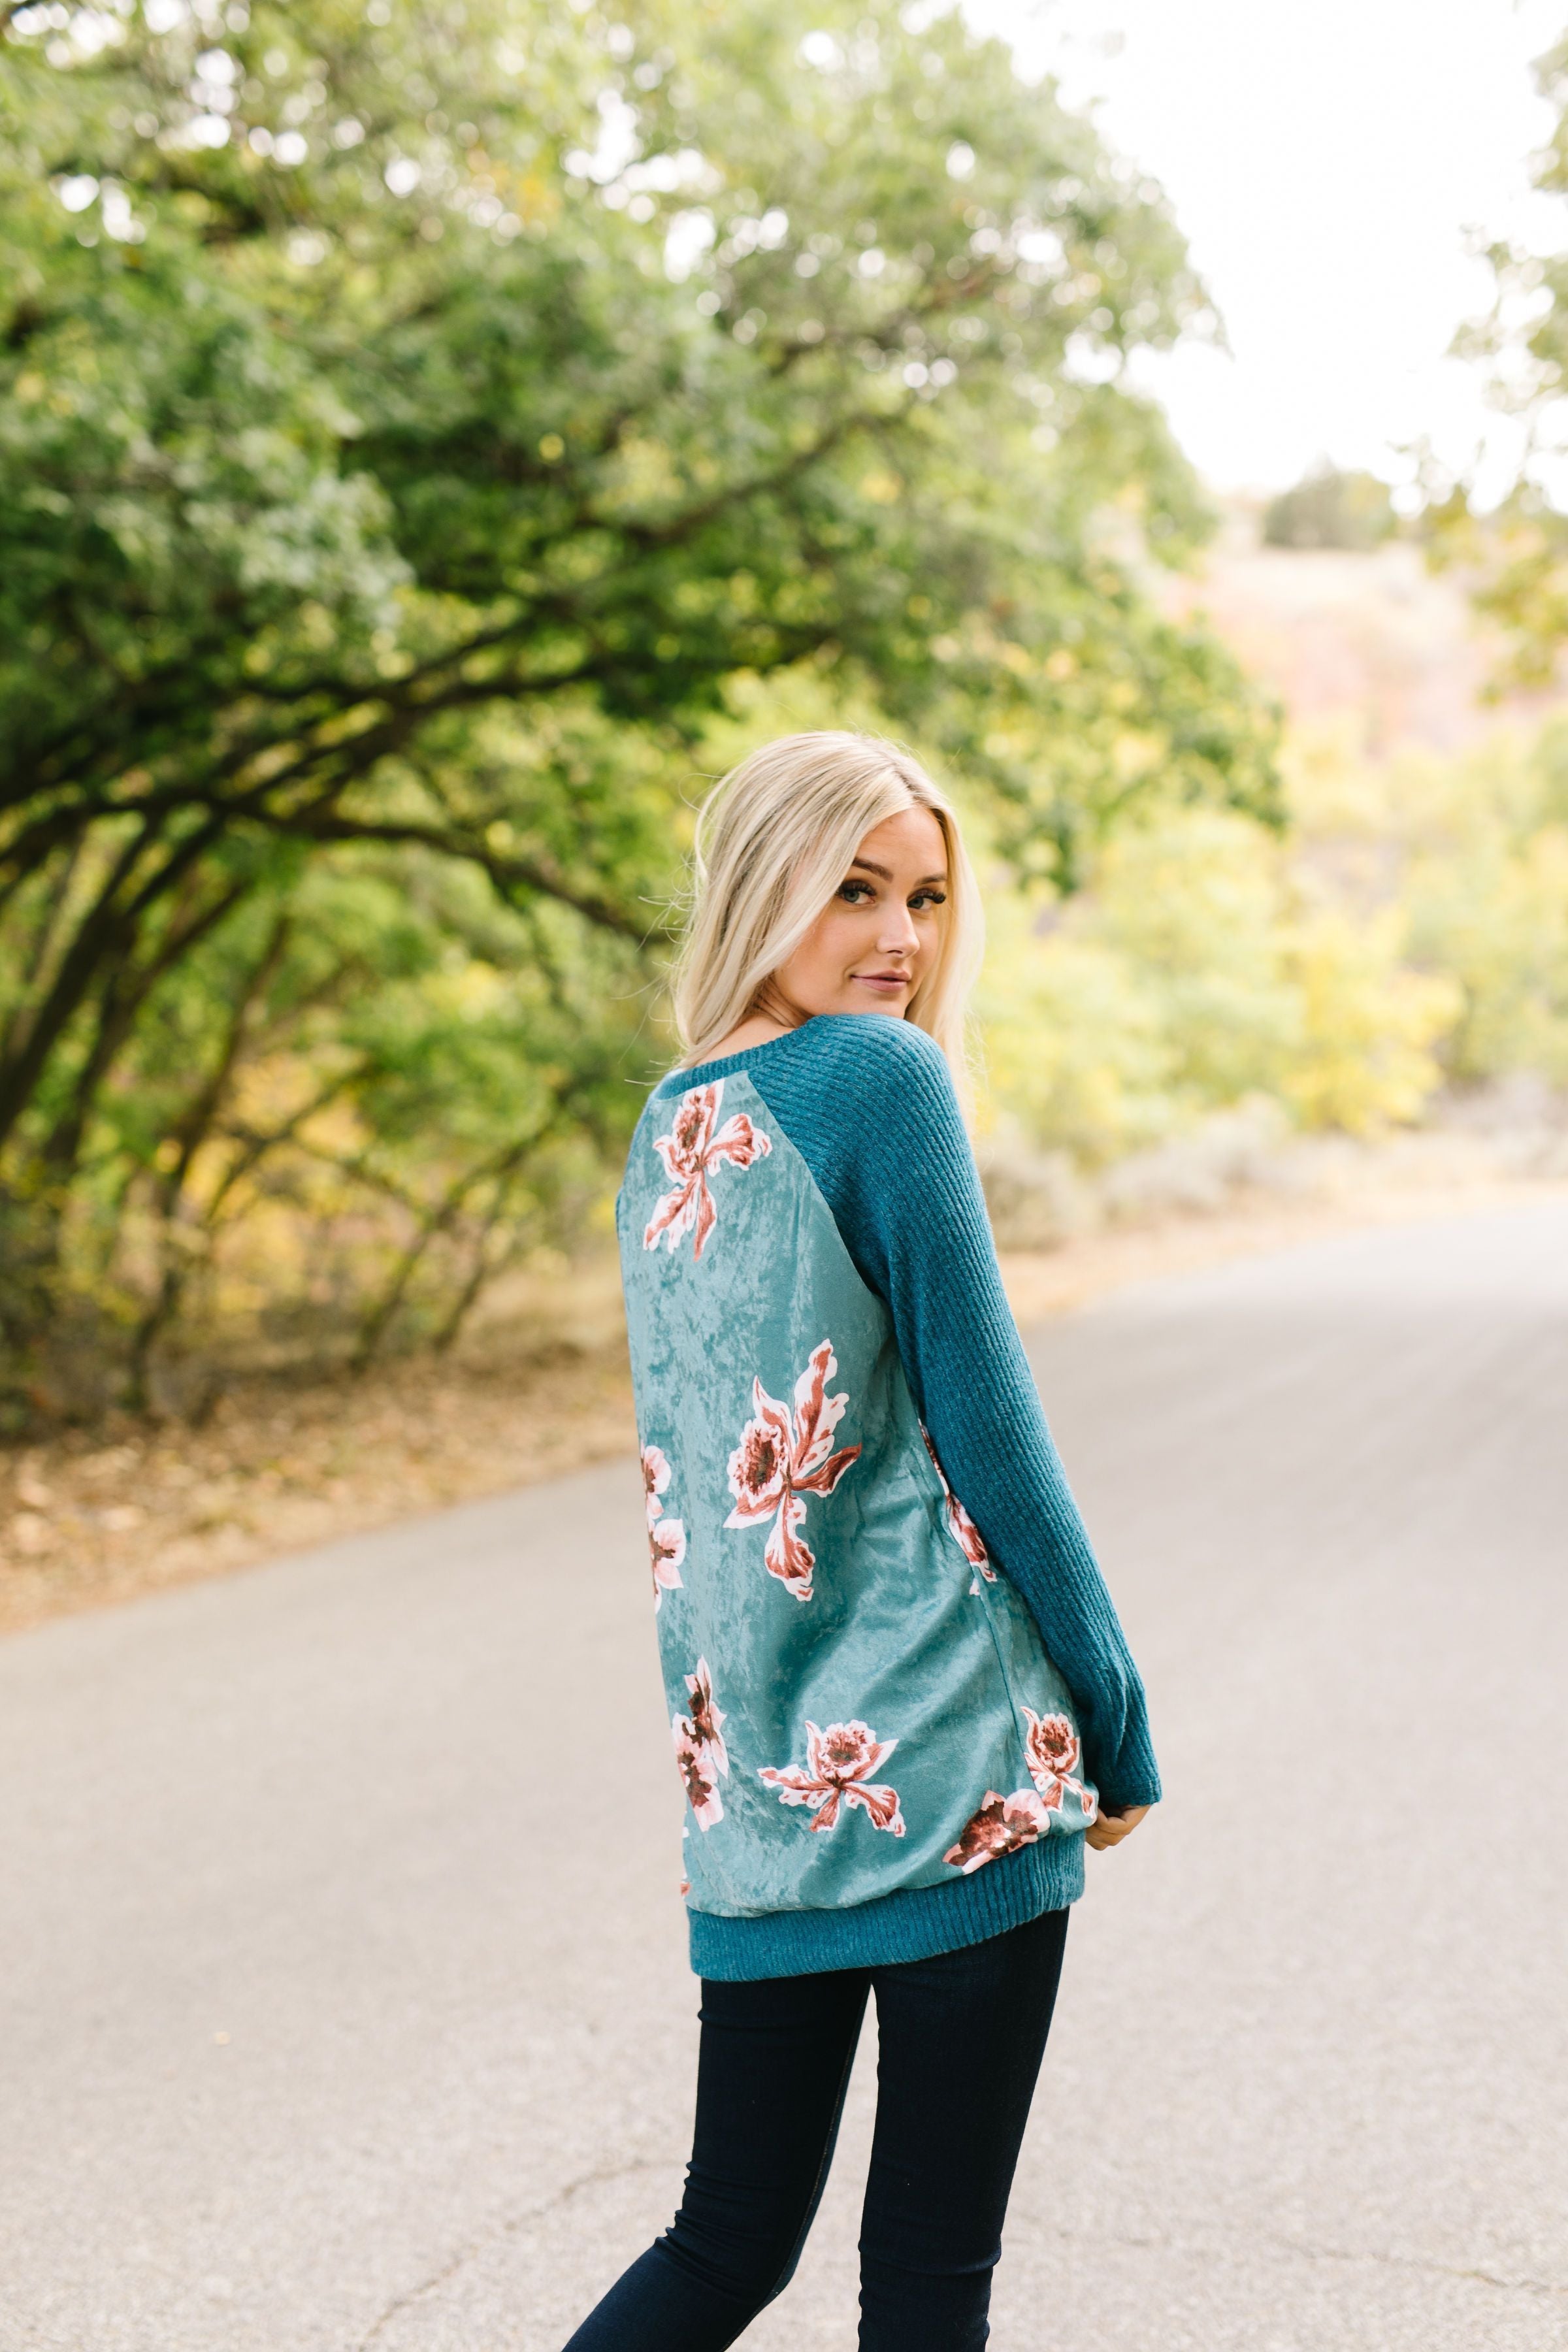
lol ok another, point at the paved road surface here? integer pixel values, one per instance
(342, 1998)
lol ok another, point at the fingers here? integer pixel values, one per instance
(1110, 1829)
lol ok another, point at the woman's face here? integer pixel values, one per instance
(877, 936)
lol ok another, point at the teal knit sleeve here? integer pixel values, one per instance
(870, 1104)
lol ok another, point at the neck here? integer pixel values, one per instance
(757, 1029)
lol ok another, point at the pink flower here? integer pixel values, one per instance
(667, 1548)
(1002, 1825)
(839, 1762)
(699, 1774)
(655, 1479)
(701, 1754)
(1005, 1824)
(666, 1537)
(1050, 1750)
(782, 1459)
(706, 1717)
(690, 1151)
(961, 1527)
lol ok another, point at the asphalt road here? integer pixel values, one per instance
(343, 1993)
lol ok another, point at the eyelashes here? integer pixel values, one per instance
(855, 894)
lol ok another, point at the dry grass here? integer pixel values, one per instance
(87, 1518)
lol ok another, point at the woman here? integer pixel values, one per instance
(898, 1715)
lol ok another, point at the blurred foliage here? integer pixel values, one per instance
(1410, 928)
(433, 440)
(1515, 552)
(1328, 508)
(418, 423)
(1486, 895)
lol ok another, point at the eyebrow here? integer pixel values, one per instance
(885, 873)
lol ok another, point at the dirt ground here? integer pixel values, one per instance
(91, 1517)
(88, 1517)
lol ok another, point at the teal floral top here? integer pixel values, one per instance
(897, 1688)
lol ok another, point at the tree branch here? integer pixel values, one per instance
(530, 873)
(188, 1132)
(102, 929)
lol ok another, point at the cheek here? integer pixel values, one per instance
(842, 933)
(831, 942)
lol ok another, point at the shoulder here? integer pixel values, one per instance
(870, 1103)
(886, 1087)
(890, 1062)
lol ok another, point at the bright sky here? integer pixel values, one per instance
(1328, 160)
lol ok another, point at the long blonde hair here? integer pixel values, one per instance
(774, 840)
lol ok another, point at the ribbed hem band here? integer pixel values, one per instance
(913, 1924)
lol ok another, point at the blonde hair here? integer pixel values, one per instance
(774, 840)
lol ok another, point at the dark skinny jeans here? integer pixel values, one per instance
(960, 2042)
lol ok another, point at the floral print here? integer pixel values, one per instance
(700, 1753)
(690, 1153)
(1003, 1824)
(838, 1766)
(698, 1775)
(706, 1719)
(784, 1457)
(964, 1532)
(666, 1537)
(729, 1381)
(1050, 1750)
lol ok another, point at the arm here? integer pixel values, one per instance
(901, 1180)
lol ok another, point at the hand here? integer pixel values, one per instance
(1112, 1827)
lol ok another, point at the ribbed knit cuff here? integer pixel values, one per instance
(1134, 1779)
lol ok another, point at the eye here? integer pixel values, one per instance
(854, 894)
(924, 898)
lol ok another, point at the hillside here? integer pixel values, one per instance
(1375, 645)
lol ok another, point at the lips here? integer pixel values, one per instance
(884, 980)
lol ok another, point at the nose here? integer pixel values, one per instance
(896, 935)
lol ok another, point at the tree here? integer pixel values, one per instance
(412, 419)
(1330, 509)
(1516, 553)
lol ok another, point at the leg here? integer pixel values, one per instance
(770, 2078)
(960, 2041)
